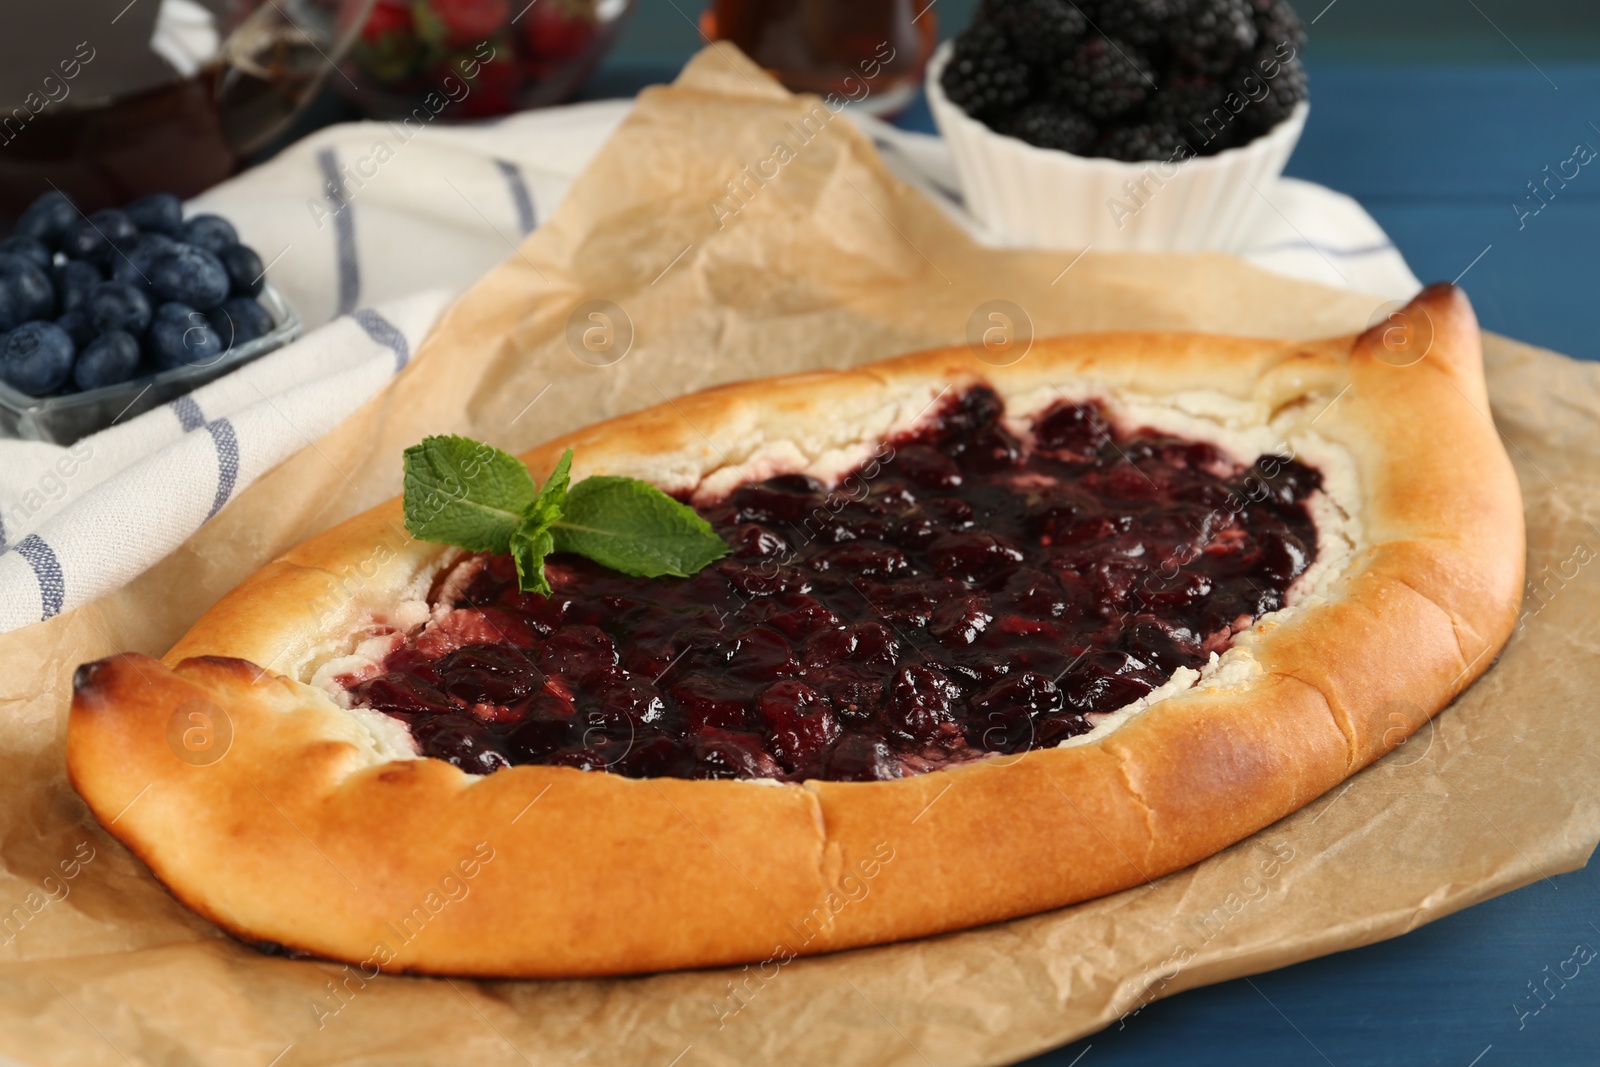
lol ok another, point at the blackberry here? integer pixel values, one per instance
(1212, 35)
(1192, 105)
(1277, 24)
(1139, 22)
(1048, 125)
(984, 78)
(1145, 141)
(1107, 78)
(1284, 89)
(1041, 32)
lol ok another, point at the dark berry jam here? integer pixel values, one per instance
(966, 591)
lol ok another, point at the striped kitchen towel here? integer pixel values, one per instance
(370, 230)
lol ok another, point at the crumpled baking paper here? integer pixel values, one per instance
(730, 230)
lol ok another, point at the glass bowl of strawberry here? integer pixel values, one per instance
(447, 60)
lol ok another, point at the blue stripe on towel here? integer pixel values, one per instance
(227, 443)
(520, 196)
(344, 229)
(190, 417)
(47, 569)
(387, 334)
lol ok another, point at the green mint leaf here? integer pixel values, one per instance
(553, 497)
(533, 541)
(633, 527)
(529, 546)
(462, 492)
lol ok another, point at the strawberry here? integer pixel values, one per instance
(449, 23)
(495, 88)
(389, 50)
(387, 17)
(558, 29)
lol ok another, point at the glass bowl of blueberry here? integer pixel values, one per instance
(105, 316)
(1121, 124)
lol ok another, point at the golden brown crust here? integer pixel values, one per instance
(305, 833)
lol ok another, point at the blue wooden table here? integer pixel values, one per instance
(1439, 155)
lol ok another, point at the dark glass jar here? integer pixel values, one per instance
(869, 52)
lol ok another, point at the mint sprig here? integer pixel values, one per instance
(462, 492)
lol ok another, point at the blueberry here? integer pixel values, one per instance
(157, 213)
(25, 294)
(47, 219)
(189, 275)
(243, 267)
(84, 240)
(36, 358)
(118, 306)
(29, 248)
(74, 279)
(136, 258)
(211, 232)
(180, 336)
(79, 328)
(115, 225)
(108, 359)
(98, 237)
(13, 261)
(240, 320)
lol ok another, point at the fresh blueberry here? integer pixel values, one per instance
(79, 328)
(74, 279)
(240, 320)
(118, 306)
(13, 261)
(136, 258)
(29, 248)
(108, 359)
(117, 227)
(210, 232)
(244, 269)
(156, 213)
(84, 240)
(180, 336)
(47, 219)
(25, 293)
(189, 275)
(36, 358)
(98, 237)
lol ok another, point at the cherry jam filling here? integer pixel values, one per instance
(964, 592)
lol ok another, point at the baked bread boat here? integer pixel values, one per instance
(1117, 606)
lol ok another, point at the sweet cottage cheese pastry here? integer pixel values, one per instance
(985, 641)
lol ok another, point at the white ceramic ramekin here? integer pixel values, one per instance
(1043, 197)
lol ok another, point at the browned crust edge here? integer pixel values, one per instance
(302, 836)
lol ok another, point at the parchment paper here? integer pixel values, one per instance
(828, 261)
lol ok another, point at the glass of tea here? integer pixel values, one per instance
(868, 52)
